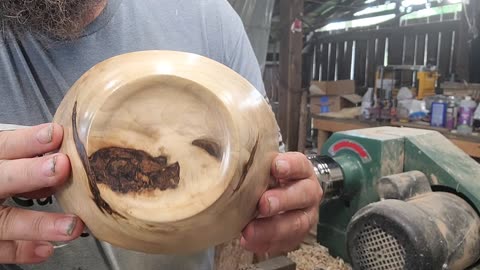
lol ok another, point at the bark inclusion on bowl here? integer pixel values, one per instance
(128, 170)
(124, 170)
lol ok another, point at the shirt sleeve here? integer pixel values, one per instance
(239, 54)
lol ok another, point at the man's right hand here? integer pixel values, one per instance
(25, 171)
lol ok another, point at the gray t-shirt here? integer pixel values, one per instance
(34, 76)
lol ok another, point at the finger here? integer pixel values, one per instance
(26, 175)
(30, 142)
(298, 195)
(38, 194)
(21, 224)
(24, 252)
(271, 234)
(292, 166)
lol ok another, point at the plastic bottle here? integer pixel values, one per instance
(465, 115)
(438, 113)
(366, 104)
(451, 121)
(476, 118)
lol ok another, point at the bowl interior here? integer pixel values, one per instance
(160, 148)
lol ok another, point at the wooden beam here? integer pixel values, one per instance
(462, 59)
(291, 44)
(283, 69)
(359, 34)
(302, 131)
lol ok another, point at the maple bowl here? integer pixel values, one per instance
(170, 151)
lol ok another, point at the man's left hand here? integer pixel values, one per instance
(288, 211)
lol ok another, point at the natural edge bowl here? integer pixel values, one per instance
(170, 151)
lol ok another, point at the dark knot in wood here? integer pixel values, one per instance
(129, 170)
(210, 146)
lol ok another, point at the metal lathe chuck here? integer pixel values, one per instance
(329, 175)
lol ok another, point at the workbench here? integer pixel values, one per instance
(326, 125)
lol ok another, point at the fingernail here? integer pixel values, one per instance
(66, 225)
(43, 250)
(49, 166)
(281, 167)
(45, 135)
(273, 205)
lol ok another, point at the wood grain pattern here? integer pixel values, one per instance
(170, 151)
(90, 175)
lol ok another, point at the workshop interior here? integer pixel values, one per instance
(383, 96)
(171, 151)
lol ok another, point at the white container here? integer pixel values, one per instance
(465, 115)
(367, 104)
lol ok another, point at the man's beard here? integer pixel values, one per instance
(62, 19)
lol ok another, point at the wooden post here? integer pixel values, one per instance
(291, 44)
(302, 127)
(462, 62)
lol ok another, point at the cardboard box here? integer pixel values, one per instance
(332, 88)
(327, 103)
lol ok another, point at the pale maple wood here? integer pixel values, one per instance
(159, 102)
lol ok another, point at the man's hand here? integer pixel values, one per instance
(288, 211)
(24, 234)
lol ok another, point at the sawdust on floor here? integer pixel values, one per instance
(316, 257)
(311, 257)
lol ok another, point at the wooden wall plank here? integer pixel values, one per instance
(324, 70)
(318, 62)
(347, 60)
(445, 53)
(380, 53)
(395, 49)
(360, 59)
(408, 57)
(340, 60)
(404, 30)
(409, 45)
(462, 61)
(370, 63)
(291, 45)
(332, 61)
(432, 45)
(420, 56)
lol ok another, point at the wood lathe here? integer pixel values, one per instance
(399, 198)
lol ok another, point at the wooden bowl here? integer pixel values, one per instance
(170, 151)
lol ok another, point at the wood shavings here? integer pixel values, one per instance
(316, 257)
(311, 257)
